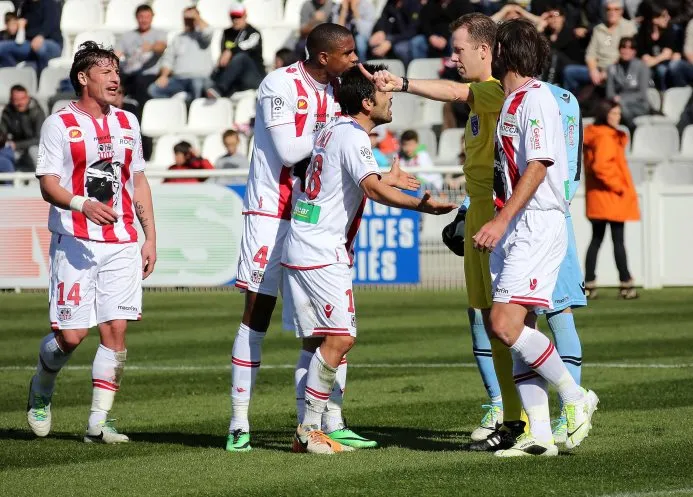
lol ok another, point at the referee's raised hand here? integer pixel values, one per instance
(383, 80)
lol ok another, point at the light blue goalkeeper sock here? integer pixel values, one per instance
(482, 354)
(567, 342)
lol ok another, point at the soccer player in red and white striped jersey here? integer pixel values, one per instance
(293, 104)
(91, 171)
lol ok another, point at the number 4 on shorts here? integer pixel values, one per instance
(72, 295)
(261, 256)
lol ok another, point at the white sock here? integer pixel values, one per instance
(51, 360)
(300, 382)
(332, 419)
(245, 363)
(537, 351)
(106, 372)
(319, 383)
(534, 394)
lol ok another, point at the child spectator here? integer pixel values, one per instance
(377, 135)
(414, 156)
(187, 158)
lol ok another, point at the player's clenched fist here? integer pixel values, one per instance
(99, 213)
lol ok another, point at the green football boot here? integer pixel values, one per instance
(238, 441)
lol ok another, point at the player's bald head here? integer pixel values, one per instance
(327, 38)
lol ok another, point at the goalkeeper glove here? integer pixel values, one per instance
(453, 233)
(300, 169)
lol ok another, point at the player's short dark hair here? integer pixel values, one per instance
(229, 132)
(355, 87)
(523, 49)
(182, 147)
(325, 38)
(15, 88)
(481, 28)
(10, 16)
(143, 8)
(89, 54)
(409, 135)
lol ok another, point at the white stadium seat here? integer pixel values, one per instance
(292, 13)
(424, 69)
(59, 105)
(655, 99)
(215, 44)
(637, 171)
(395, 66)
(274, 38)
(79, 15)
(670, 173)
(406, 110)
(208, 115)
(266, 13)
(168, 14)
(163, 115)
(449, 146)
(120, 15)
(686, 153)
(245, 109)
(162, 155)
(655, 142)
(215, 12)
(432, 112)
(5, 7)
(10, 76)
(673, 103)
(213, 147)
(105, 38)
(50, 80)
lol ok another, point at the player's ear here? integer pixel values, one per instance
(367, 104)
(322, 58)
(82, 78)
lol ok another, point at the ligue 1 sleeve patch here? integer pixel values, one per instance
(474, 123)
(277, 107)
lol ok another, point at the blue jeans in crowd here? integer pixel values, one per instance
(681, 72)
(575, 77)
(12, 53)
(194, 87)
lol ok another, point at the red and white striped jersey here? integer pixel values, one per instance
(288, 97)
(327, 215)
(71, 142)
(530, 128)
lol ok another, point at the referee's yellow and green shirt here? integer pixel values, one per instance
(479, 136)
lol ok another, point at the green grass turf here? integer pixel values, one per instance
(642, 439)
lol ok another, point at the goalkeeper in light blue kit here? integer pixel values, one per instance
(570, 287)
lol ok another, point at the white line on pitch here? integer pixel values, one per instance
(441, 365)
(653, 493)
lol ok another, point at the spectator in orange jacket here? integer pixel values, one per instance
(187, 158)
(610, 194)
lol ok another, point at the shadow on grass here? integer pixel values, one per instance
(12, 434)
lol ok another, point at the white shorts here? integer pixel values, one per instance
(259, 268)
(319, 302)
(526, 261)
(93, 282)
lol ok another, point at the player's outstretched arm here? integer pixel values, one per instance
(58, 196)
(491, 232)
(384, 194)
(400, 179)
(144, 208)
(434, 89)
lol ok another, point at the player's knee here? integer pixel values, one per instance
(69, 340)
(340, 344)
(501, 326)
(113, 334)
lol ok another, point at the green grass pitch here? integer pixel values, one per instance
(421, 406)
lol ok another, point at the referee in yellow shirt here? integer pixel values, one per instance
(473, 38)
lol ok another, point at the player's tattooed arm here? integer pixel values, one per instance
(145, 214)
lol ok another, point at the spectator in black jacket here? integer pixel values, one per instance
(21, 121)
(434, 27)
(240, 65)
(657, 41)
(565, 48)
(44, 41)
(393, 32)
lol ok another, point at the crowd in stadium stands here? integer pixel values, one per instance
(602, 49)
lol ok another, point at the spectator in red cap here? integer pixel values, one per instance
(240, 66)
